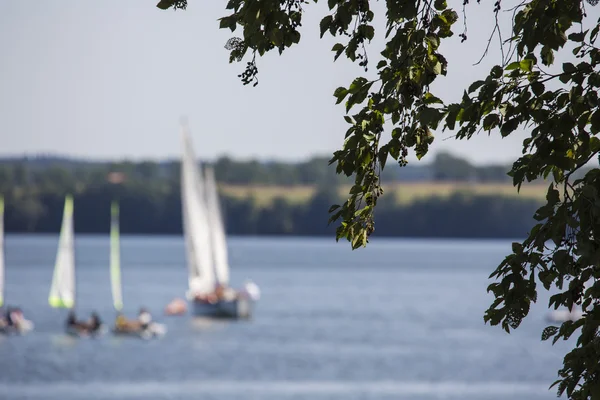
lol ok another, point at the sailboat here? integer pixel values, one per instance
(62, 290)
(1, 252)
(115, 258)
(154, 329)
(24, 325)
(206, 246)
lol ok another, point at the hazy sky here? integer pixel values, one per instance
(110, 79)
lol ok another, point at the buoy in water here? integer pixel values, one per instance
(176, 307)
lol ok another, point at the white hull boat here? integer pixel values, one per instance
(560, 316)
(154, 330)
(237, 308)
(206, 245)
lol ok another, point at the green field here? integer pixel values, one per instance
(405, 193)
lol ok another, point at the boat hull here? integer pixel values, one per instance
(84, 333)
(25, 327)
(153, 331)
(240, 308)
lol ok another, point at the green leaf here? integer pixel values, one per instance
(357, 85)
(549, 332)
(526, 64)
(537, 88)
(569, 67)
(437, 68)
(339, 49)
(333, 208)
(295, 36)
(594, 33)
(340, 93)
(595, 121)
(382, 155)
(452, 115)
(547, 55)
(391, 105)
(166, 4)
(577, 36)
(509, 126)
(367, 30)
(491, 121)
(496, 72)
(431, 99)
(228, 22)
(594, 143)
(325, 24)
(440, 5)
(430, 116)
(475, 85)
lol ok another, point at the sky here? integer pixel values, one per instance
(111, 80)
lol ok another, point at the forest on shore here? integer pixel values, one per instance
(446, 198)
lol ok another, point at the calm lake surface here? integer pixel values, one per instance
(401, 319)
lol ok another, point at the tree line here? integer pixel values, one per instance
(65, 173)
(147, 209)
(149, 194)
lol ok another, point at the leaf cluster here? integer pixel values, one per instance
(558, 107)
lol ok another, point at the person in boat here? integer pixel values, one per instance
(71, 319)
(91, 326)
(251, 290)
(9, 316)
(145, 318)
(211, 298)
(120, 321)
(143, 322)
(74, 325)
(15, 319)
(95, 322)
(125, 325)
(3, 319)
(220, 291)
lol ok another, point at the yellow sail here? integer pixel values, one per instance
(115, 257)
(1, 251)
(62, 291)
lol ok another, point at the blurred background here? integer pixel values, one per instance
(90, 98)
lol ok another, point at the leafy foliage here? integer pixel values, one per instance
(559, 109)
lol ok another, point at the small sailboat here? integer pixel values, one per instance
(122, 325)
(206, 245)
(22, 325)
(62, 290)
(1, 251)
(563, 315)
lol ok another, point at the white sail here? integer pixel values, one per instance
(1, 251)
(62, 291)
(217, 229)
(195, 224)
(115, 257)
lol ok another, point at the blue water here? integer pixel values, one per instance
(399, 319)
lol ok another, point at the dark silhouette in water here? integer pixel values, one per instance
(82, 327)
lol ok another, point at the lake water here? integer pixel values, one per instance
(401, 319)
